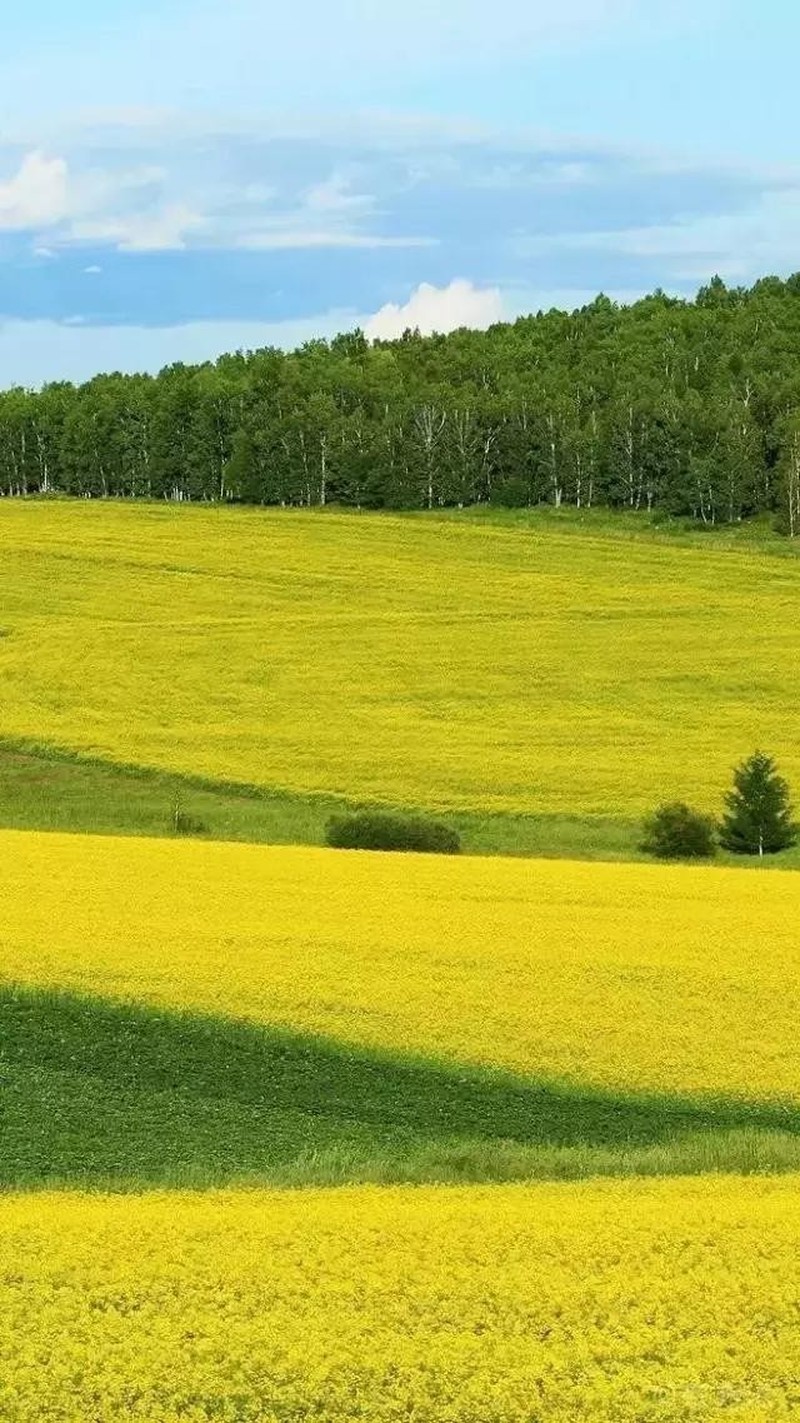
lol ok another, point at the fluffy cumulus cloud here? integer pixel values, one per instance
(36, 196)
(67, 201)
(442, 309)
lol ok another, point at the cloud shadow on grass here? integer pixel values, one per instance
(97, 1093)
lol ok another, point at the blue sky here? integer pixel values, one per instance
(181, 178)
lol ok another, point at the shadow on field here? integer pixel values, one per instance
(106, 1094)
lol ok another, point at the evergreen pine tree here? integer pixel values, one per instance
(759, 816)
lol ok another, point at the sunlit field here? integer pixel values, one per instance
(504, 665)
(254, 1100)
(291, 1133)
(644, 977)
(599, 1302)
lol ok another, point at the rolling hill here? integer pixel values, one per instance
(287, 1132)
(504, 668)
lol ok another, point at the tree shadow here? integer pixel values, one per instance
(93, 1091)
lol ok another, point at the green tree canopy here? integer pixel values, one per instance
(759, 819)
(689, 407)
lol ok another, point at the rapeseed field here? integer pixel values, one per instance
(610, 1302)
(189, 1014)
(462, 664)
(628, 976)
(201, 1042)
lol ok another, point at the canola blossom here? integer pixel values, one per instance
(435, 662)
(608, 1303)
(632, 976)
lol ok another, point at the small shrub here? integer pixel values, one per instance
(377, 830)
(189, 825)
(677, 832)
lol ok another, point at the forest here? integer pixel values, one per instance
(690, 407)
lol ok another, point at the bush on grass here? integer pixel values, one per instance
(378, 830)
(677, 832)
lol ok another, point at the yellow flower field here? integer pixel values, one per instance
(430, 662)
(653, 977)
(605, 1303)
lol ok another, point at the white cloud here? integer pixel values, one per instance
(565, 174)
(335, 195)
(37, 195)
(287, 239)
(123, 207)
(162, 230)
(244, 186)
(32, 352)
(327, 214)
(438, 309)
(151, 208)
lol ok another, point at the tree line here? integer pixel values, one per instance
(687, 407)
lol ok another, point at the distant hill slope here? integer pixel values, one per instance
(520, 665)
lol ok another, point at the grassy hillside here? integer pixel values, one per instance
(517, 666)
(102, 1095)
(42, 788)
(204, 1013)
(651, 1301)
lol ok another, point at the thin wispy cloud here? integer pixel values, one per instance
(67, 200)
(299, 240)
(198, 170)
(760, 237)
(258, 190)
(251, 55)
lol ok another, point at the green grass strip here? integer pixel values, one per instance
(101, 1095)
(50, 788)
